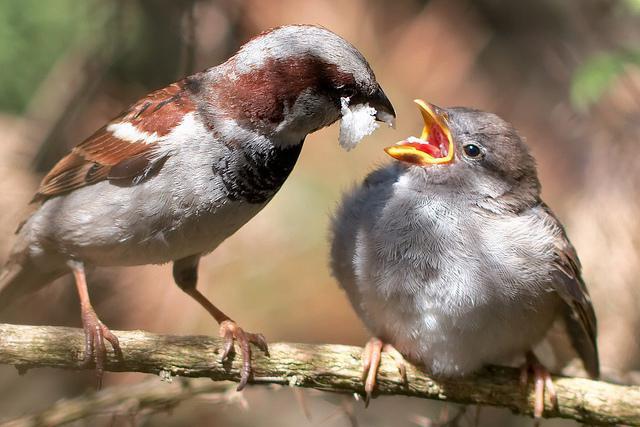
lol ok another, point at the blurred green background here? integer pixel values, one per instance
(567, 74)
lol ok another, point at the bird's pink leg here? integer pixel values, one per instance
(185, 273)
(371, 356)
(95, 332)
(542, 383)
(231, 332)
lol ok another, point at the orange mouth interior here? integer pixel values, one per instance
(435, 145)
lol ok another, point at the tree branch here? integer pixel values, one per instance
(131, 401)
(335, 368)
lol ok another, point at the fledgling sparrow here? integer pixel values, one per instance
(451, 258)
(184, 168)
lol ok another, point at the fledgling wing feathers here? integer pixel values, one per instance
(579, 315)
(124, 148)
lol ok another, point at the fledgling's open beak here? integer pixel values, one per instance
(435, 145)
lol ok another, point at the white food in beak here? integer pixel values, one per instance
(387, 118)
(357, 122)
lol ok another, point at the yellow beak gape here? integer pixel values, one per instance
(435, 145)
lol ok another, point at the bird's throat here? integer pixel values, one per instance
(254, 175)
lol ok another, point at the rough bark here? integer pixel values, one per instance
(335, 368)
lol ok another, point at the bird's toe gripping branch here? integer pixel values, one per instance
(232, 333)
(543, 384)
(371, 357)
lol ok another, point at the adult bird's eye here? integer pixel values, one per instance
(472, 150)
(347, 91)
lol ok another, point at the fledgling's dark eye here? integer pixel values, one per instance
(472, 150)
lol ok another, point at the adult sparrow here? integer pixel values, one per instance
(184, 168)
(451, 258)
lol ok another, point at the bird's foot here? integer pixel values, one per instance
(95, 350)
(231, 332)
(371, 356)
(542, 383)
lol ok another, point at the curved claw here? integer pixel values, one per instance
(371, 357)
(88, 347)
(259, 341)
(228, 343)
(231, 333)
(95, 350)
(543, 384)
(399, 361)
(113, 340)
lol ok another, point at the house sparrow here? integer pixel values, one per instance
(185, 167)
(451, 258)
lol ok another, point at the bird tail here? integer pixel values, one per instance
(18, 279)
(9, 280)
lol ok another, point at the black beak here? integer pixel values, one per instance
(385, 112)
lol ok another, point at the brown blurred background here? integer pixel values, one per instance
(565, 73)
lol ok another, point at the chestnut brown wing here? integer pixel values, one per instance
(125, 148)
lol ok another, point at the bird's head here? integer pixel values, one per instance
(289, 81)
(474, 152)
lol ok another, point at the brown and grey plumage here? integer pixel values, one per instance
(187, 166)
